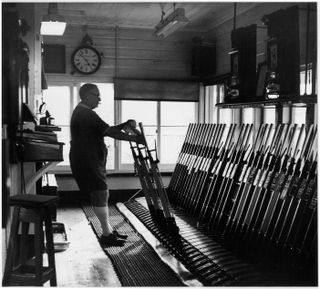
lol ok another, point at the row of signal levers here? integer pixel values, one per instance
(257, 187)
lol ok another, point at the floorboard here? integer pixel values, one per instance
(84, 263)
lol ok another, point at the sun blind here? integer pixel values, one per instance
(132, 89)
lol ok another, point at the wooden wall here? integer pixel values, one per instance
(131, 53)
(137, 53)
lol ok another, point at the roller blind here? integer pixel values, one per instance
(132, 89)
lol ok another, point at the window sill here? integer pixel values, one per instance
(65, 171)
(110, 174)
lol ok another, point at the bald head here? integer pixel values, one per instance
(89, 95)
(86, 89)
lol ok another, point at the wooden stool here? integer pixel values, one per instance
(31, 209)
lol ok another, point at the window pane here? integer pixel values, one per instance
(299, 115)
(171, 142)
(177, 113)
(269, 115)
(225, 115)
(141, 111)
(175, 118)
(57, 99)
(247, 115)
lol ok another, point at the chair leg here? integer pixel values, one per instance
(24, 240)
(12, 242)
(38, 247)
(50, 249)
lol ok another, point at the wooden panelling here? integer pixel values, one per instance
(140, 54)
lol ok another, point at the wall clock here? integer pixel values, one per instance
(86, 59)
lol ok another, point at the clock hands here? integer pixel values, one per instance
(86, 60)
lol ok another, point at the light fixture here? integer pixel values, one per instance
(172, 23)
(53, 23)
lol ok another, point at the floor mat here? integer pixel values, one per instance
(136, 263)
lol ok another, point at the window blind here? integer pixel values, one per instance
(133, 89)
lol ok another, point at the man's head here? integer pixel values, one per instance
(90, 95)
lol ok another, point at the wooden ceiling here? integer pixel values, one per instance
(202, 16)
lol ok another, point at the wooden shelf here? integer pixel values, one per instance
(284, 101)
(33, 150)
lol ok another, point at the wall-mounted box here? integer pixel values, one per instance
(54, 58)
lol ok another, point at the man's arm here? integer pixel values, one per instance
(121, 126)
(116, 132)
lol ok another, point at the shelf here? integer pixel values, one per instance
(285, 101)
(34, 150)
(47, 128)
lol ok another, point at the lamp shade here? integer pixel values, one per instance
(53, 23)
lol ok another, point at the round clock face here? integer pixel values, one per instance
(86, 59)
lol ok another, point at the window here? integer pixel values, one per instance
(165, 123)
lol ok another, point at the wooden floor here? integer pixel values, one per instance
(84, 263)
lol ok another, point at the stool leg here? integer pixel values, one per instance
(38, 247)
(50, 248)
(24, 240)
(12, 242)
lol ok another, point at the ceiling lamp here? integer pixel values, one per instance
(172, 23)
(53, 23)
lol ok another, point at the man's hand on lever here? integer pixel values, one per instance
(130, 128)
